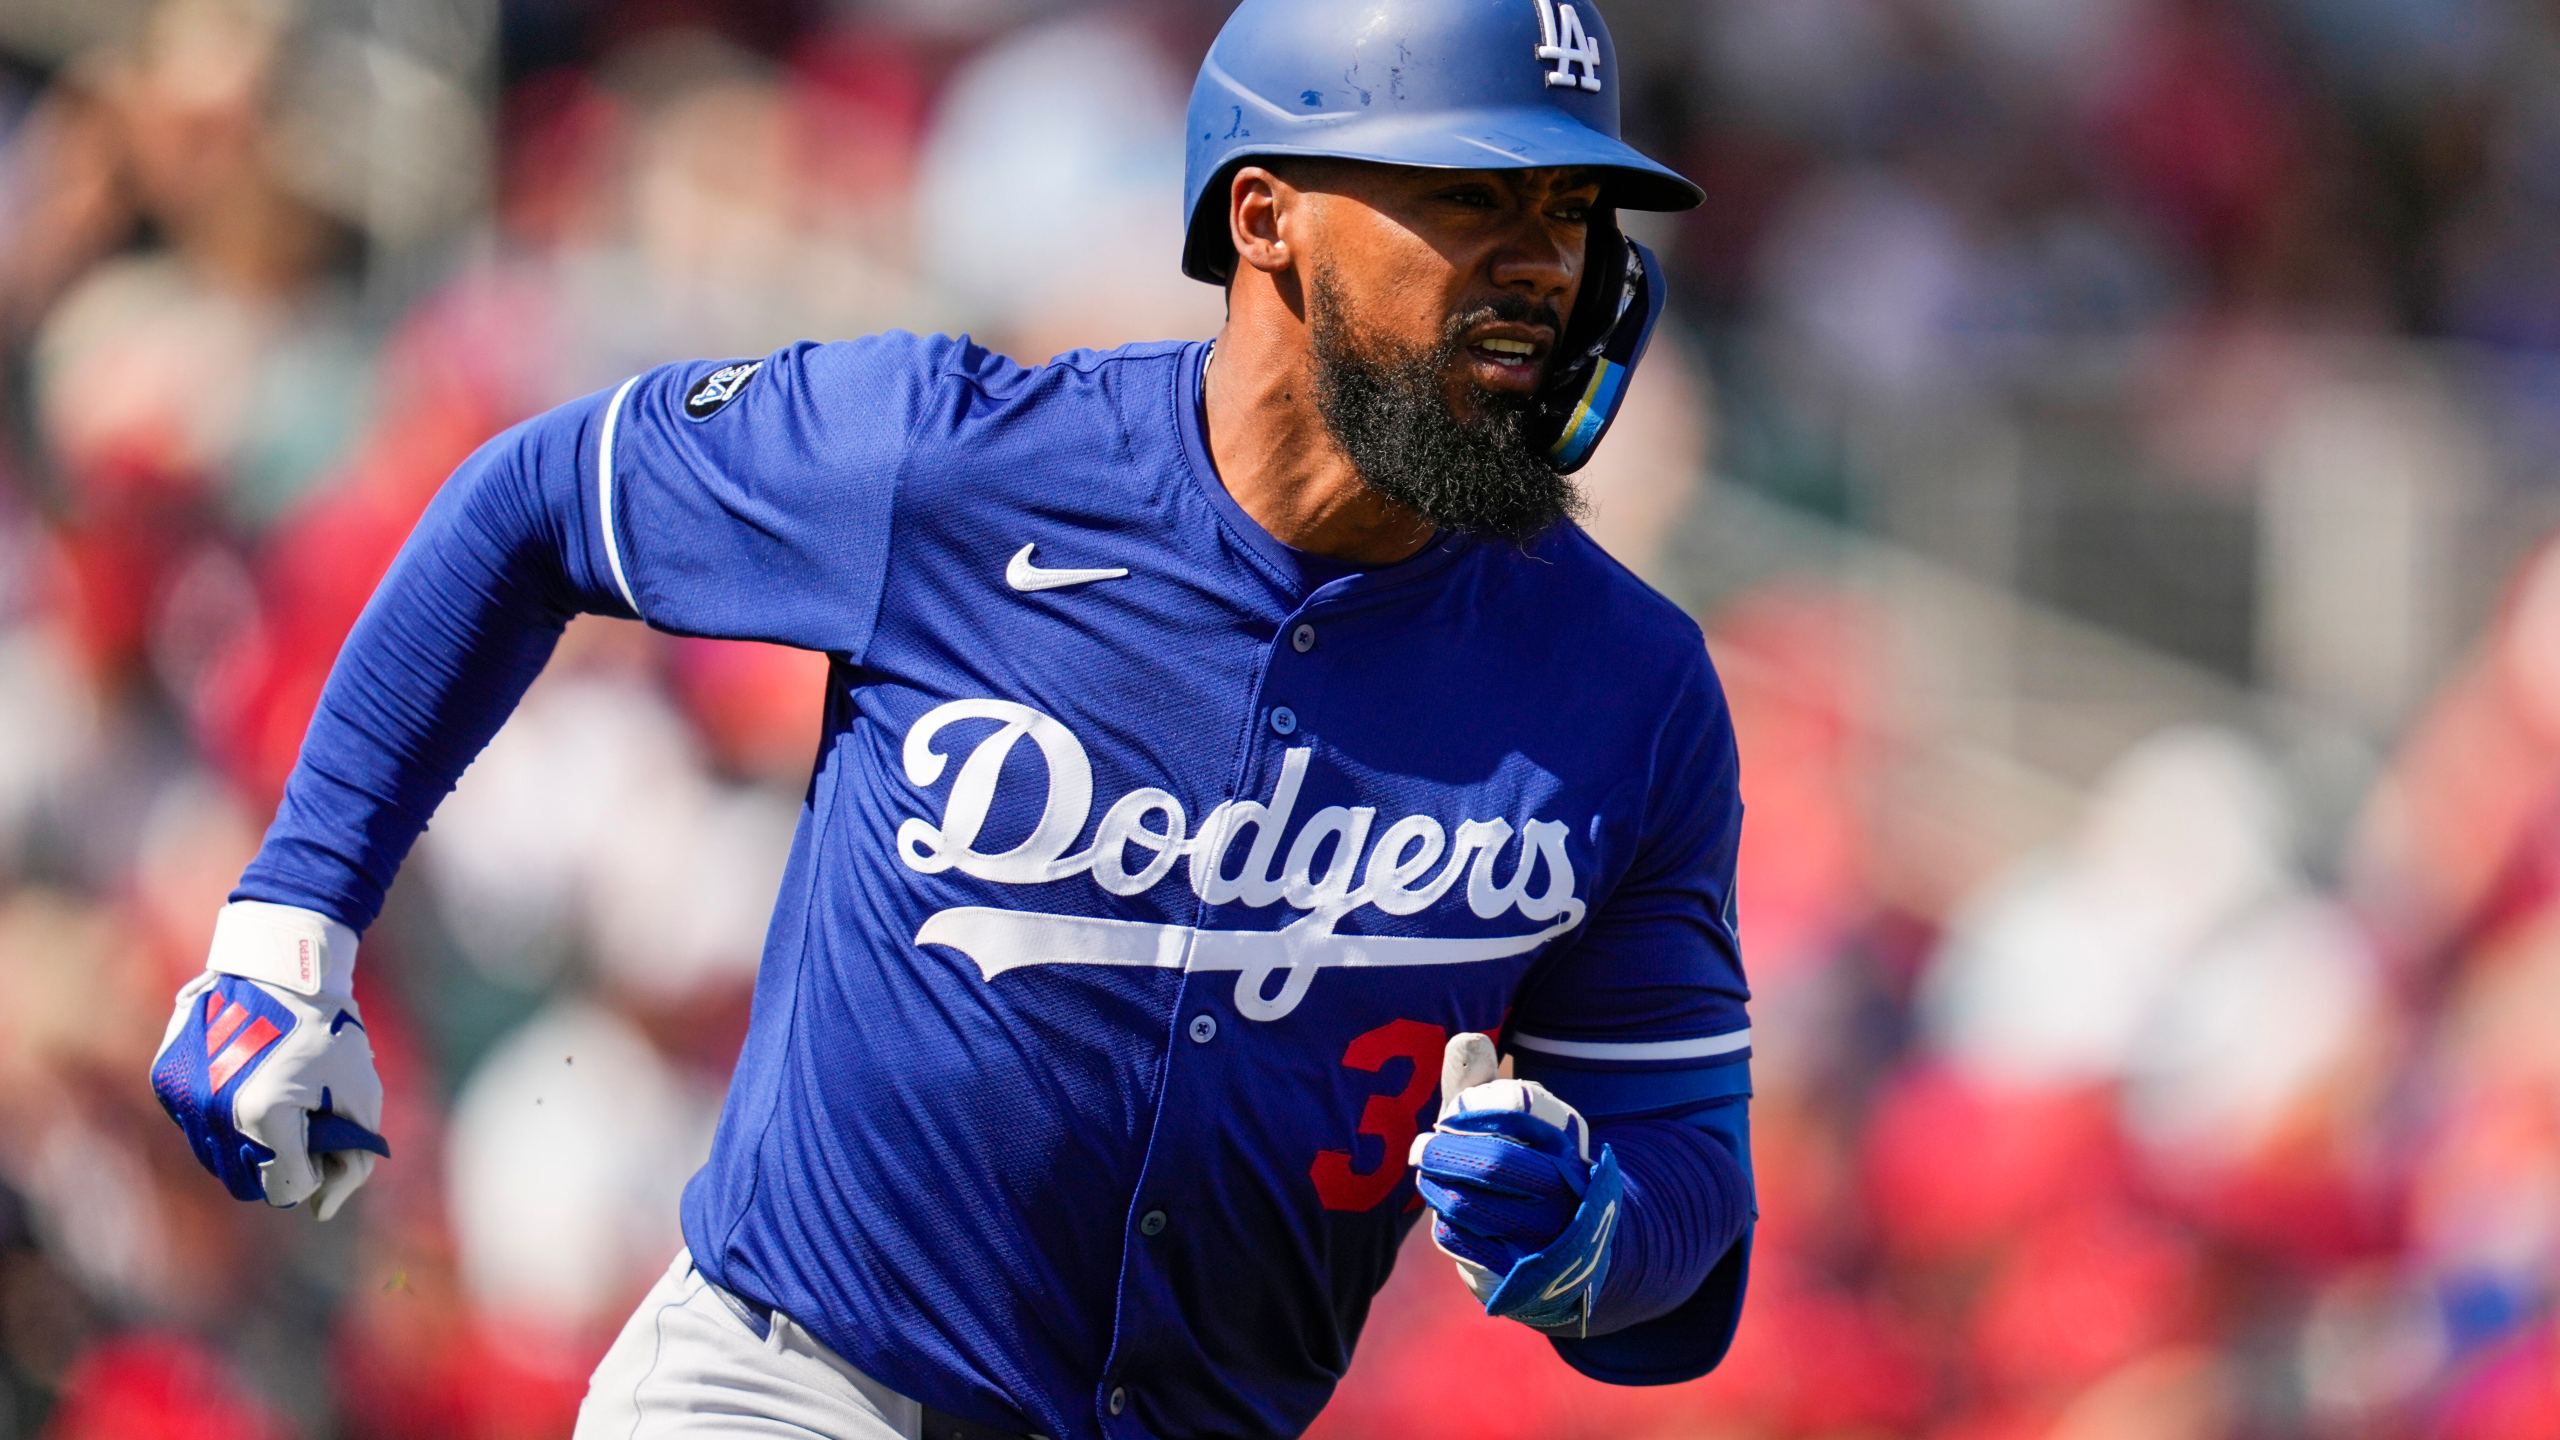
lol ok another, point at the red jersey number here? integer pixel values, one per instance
(1394, 1119)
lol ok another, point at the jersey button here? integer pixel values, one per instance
(1303, 639)
(1204, 1028)
(1119, 1399)
(1151, 1223)
(1284, 721)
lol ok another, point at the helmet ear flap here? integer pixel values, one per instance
(1613, 318)
(1208, 251)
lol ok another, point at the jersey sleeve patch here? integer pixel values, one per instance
(712, 393)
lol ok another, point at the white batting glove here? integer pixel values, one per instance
(266, 1066)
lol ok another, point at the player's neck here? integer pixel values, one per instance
(1281, 465)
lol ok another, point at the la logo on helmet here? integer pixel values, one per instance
(1568, 45)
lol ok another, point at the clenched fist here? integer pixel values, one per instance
(1516, 1199)
(266, 1066)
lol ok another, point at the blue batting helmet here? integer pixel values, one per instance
(1456, 85)
(1445, 84)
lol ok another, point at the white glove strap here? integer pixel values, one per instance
(286, 946)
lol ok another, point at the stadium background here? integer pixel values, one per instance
(2109, 443)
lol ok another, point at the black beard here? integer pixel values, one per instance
(1479, 475)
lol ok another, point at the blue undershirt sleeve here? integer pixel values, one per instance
(747, 500)
(467, 615)
(1686, 1200)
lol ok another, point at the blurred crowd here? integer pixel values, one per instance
(2224, 1103)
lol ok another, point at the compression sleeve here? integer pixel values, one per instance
(468, 614)
(1685, 1203)
(748, 500)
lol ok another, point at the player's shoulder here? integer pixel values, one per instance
(880, 367)
(1620, 624)
(924, 360)
(1143, 368)
(1147, 357)
(810, 377)
(963, 359)
(928, 359)
(934, 358)
(974, 385)
(899, 383)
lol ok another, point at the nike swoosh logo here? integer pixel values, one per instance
(1591, 1262)
(1026, 577)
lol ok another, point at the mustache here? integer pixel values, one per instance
(1512, 309)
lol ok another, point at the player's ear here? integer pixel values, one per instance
(1256, 202)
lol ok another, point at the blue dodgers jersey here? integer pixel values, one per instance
(1146, 869)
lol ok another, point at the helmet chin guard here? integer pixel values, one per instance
(1612, 321)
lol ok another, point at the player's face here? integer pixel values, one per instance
(1481, 264)
(1434, 303)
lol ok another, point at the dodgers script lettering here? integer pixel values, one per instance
(1336, 863)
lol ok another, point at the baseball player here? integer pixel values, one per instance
(1231, 750)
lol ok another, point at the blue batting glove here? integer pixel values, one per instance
(265, 1065)
(1517, 1201)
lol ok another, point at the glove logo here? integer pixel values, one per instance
(233, 1037)
(1564, 41)
(714, 391)
(1565, 1282)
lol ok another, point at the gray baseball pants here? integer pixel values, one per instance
(689, 1366)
